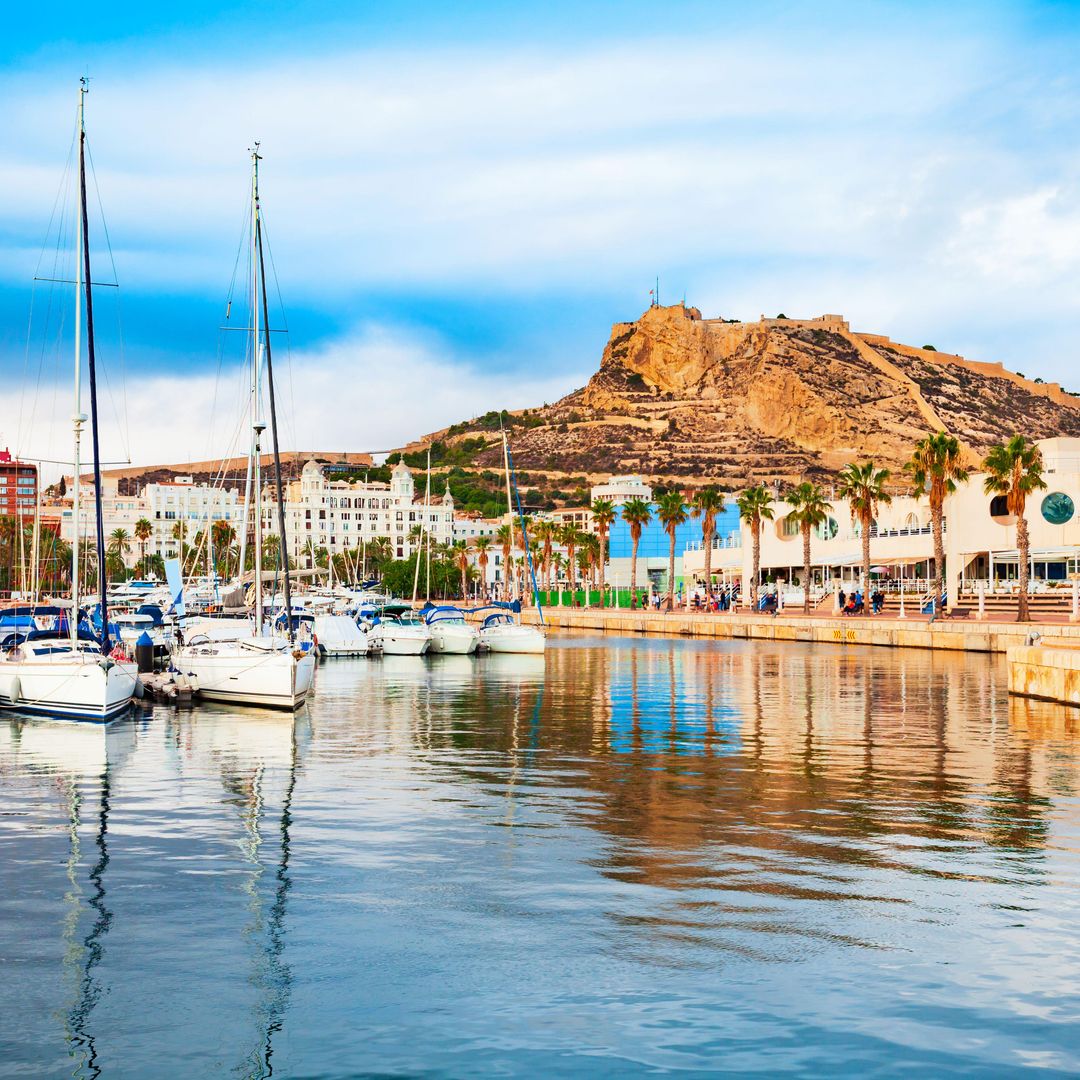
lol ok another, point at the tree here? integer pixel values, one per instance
(935, 468)
(483, 545)
(707, 504)
(637, 514)
(144, 529)
(505, 539)
(118, 546)
(808, 509)
(603, 512)
(222, 534)
(863, 486)
(571, 540)
(1014, 470)
(755, 506)
(544, 532)
(461, 559)
(671, 512)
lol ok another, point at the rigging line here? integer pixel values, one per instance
(60, 201)
(125, 426)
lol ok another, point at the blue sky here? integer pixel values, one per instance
(463, 198)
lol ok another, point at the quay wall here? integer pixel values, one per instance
(960, 635)
(1050, 672)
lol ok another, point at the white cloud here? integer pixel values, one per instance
(375, 389)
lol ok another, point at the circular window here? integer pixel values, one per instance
(1057, 508)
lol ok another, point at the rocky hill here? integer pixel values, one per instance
(699, 400)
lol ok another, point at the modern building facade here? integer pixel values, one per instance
(18, 486)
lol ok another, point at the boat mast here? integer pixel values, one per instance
(78, 418)
(510, 513)
(257, 425)
(92, 371)
(283, 545)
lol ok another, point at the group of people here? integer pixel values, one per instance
(854, 604)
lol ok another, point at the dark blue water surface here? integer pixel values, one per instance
(624, 858)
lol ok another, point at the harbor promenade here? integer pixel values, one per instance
(916, 631)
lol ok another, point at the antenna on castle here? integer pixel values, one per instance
(657, 290)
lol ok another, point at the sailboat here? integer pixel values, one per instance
(45, 673)
(499, 631)
(255, 666)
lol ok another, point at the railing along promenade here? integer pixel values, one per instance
(916, 631)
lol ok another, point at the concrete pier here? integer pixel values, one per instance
(1046, 671)
(954, 635)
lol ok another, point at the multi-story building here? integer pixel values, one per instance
(342, 516)
(620, 489)
(18, 486)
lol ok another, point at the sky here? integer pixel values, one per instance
(462, 199)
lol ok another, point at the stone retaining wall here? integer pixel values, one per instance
(960, 635)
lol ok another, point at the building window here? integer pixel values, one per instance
(1057, 508)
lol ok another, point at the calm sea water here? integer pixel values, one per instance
(629, 857)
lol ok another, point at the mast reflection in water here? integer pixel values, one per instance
(623, 857)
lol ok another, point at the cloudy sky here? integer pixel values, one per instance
(462, 199)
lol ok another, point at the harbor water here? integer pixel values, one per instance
(626, 857)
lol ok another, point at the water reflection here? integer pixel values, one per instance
(626, 855)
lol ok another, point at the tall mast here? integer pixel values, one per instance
(427, 524)
(78, 419)
(257, 426)
(510, 512)
(94, 424)
(283, 544)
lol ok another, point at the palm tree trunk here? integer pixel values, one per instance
(671, 574)
(866, 567)
(806, 569)
(755, 530)
(603, 544)
(1022, 545)
(708, 567)
(939, 555)
(633, 574)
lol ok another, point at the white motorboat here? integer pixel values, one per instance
(54, 677)
(400, 635)
(266, 671)
(501, 634)
(338, 635)
(450, 633)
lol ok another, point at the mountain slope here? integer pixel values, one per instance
(703, 400)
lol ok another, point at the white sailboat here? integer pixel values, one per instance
(44, 674)
(500, 632)
(258, 667)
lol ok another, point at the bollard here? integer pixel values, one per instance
(144, 653)
(982, 599)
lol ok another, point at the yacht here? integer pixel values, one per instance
(400, 634)
(450, 633)
(66, 670)
(501, 634)
(338, 635)
(246, 661)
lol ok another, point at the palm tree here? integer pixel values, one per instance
(671, 512)
(544, 532)
(119, 545)
(590, 544)
(755, 506)
(936, 467)
(222, 534)
(707, 504)
(505, 539)
(482, 546)
(571, 539)
(864, 488)
(808, 509)
(603, 512)
(637, 514)
(460, 551)
(558, 561)
(144, 529)
(1014, 470)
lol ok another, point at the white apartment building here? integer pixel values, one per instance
(342, 516)
(164, 505)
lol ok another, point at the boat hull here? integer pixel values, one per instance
(458, 638)
(513, 639)
(396, 643)
(275, 680)
(83, 688)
